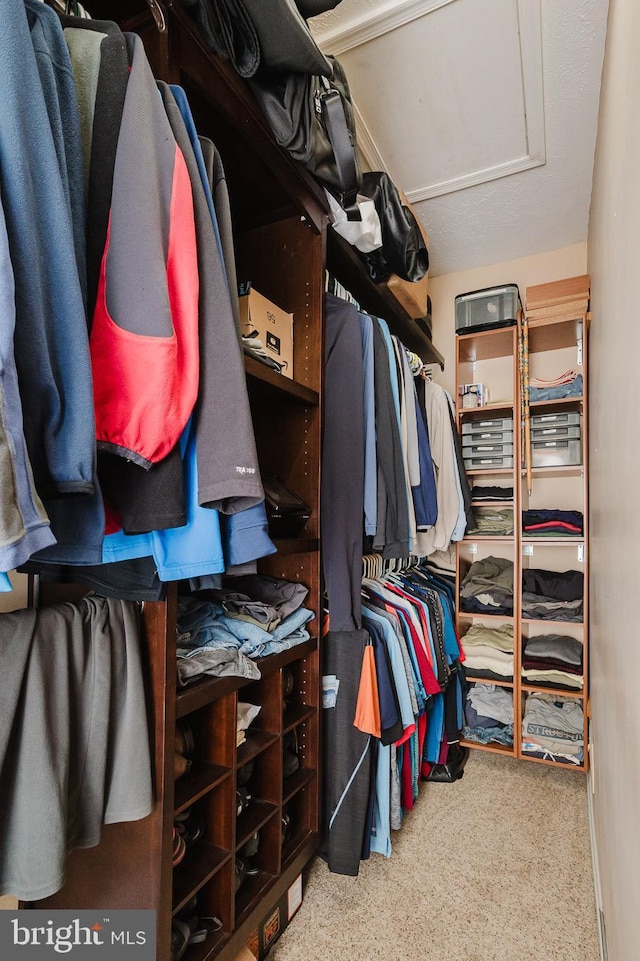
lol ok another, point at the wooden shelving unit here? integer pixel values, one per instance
(491, 358)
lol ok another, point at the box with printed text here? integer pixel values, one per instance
(272, 325)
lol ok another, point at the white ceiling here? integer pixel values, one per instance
(483, 111)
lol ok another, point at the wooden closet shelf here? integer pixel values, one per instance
(491, 503)
(483, 344)
(256, 815)
(487, 680)
(488, 617)
(563, 402)
(549, 622)
(493, 408)
(492, 748)
(254, 369)
(296, 715)
(489, 471)
(250, 894)
(576, 470)
(488, 538)
(294, 847)
(208, 948)
(209, 689)
(296, 782)
(256, 743)
(541, 688)
(200, 864)
(296, 545)
(202, 778)
(567, 541)
(563, 764)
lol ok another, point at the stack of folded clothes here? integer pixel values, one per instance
(553, 729)
(488, 714)
(492, 522)
(483, 493)
(489, 652)
(488, 587)
(221, 631)
(554, 660)
(552, 523)
(552, 595)
(568, 384)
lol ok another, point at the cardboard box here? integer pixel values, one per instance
(274, 923)
(274, 326)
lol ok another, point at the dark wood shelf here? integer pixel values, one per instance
(296, 545)
(295, 715)
(256, 743)
(292, 847)
(344, 262)
(200, 864)
(202, 778)
(209, 689)
(250, 894)
(253, 368)
(296, 782)
(211, 946)
(256, 815)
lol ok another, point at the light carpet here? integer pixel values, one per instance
(496, 867)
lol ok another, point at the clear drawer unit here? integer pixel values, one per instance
(488, 424)
(488, 450)
(487, 309)
(556, 433)
(488, 437)
(488, 462)
(555, 453)
(565, 418)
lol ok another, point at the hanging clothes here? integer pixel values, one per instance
(74, 736)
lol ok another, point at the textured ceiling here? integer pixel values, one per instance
(471, 90)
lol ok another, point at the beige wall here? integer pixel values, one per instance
(552, 265)
(614, 260)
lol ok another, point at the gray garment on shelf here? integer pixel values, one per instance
(554, 724)
(559, 646)
(284, 597)
(221, 662)
(492, 701)
(74, 736)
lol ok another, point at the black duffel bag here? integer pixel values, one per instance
(403, 250)
(312, 118)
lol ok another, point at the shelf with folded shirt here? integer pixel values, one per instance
(554, 538)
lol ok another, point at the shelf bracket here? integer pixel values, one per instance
(581, 553)
(527, 550)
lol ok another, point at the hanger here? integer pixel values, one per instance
(158, 15)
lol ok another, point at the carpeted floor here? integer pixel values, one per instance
(496, 867)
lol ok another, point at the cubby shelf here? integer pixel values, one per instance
(491, 358)
(200, 864)
(203, 777)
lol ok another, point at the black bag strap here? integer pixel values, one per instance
(343, 151)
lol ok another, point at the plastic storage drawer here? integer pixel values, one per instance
(488, 450)
(487, 308)
(487, 463)
(556, 433)
(487, 424)
(565, 418)
(488, 437)
(555, 453)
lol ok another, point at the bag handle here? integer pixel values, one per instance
(343, 151)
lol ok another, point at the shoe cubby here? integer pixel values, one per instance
(204, 857)
(300, 811)
(211, 758)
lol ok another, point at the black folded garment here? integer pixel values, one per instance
(548, 522)
(492, 493)
(553, 585)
